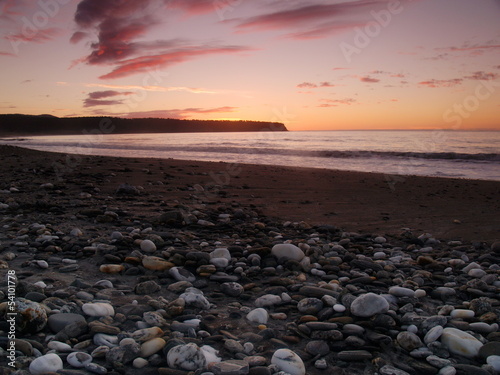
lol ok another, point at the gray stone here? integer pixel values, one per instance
(354, 355)
(230, 367)
(310, 306)
(368, 305)
(409, 341)
(147, 287)
(58, 321)
(231, 289)
(315, 347)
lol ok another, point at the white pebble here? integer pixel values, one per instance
(46, 363)
(339, 308)
(412, 328)
(258, 315)
(288, 361)
(476, 272)
(419, 293)
(433, 334)
(98, 309)
(448, 370)
(148, 246)
(494, 361)
(140, 362)
(462, 313)
(59, 346)
(79, 359)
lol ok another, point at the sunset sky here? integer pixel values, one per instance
(314, 65)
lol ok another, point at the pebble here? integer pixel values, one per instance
(46, 363)
(58, 321)
(408, 341)
(258, 315)
(460, 342)
(433, 334)
(284, 252)
(401, 292)
(462, 314)
(187, 357)
(98, 309)
(79, 359)
(181, 274)
(368, 305)
(156, 263)
(30, 316)
(267, 300)
(288, 361)
(148, 246)
(230, 367)
(150, 347)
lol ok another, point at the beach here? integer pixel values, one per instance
(72, 221)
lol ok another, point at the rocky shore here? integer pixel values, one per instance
(118, 275)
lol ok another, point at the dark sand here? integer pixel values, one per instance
(450, 209)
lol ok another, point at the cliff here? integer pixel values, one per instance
(19, 125)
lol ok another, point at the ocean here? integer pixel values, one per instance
(460, 154)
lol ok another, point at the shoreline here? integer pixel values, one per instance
(166, 262)
(451, 208)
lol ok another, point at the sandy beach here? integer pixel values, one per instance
(453, 209)
(147, 266)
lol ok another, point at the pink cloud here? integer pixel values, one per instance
(144, 64)
(483, 76)
(119, 24)
(310, 85)
(38, 36)
(180, 113)
(96, 98)
(107, 94)
(326, 84)
(437, 83)
(336, 102)
(2, 53)
(195, 7)
(313, 20)
(369, 79)
(95, 102)
(307, 85)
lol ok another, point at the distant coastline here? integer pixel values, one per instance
(15, 125)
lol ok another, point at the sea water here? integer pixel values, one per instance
(462, 154)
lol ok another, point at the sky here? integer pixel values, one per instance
(313, 65)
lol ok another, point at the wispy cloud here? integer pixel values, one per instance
(107, 94)
(310, 85)
(482, 76)
(180, 113)
(326, 103)
(37, 36)
(437, 83)
(369, 79)
(95, 102)
(195, 7)
(119, 25)
(96, 98)
(314, 19)
(193, 90)
(144, 64)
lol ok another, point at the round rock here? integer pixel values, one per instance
(46, 363)
(31, 316)
(58, 321)
(288, 361)
(287, 251)
(368, 305)
(187, 357)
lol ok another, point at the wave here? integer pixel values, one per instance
(227, 148)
